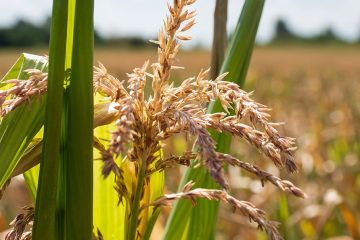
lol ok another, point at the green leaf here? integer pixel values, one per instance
(29, 164)
(108, 215)
(151, 224)
(45, 220)
(18, 128)
(219, 37)
(30, 160)
(157, 182)
(61, 199)
(242, 44)
(283, 216)
(201, 220)
(79, 128)
(31, 178)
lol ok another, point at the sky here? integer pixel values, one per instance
(144, 17)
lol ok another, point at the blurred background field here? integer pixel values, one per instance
(316, 91)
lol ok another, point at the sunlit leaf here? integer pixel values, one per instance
(18, 128)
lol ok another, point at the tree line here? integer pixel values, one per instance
(26, 34)
(283, 35)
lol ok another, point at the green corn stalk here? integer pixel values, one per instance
(64, 202)
(45, 222)
(219, 37)
(200, 222)
(79, 127)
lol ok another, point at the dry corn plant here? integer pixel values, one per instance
(134, 151)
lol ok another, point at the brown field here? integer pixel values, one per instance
(120, 61)
(316, 91)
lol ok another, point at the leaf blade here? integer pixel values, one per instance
(45, 220)
(79, 128)
(18, 128)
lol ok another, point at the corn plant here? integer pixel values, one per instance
(96, 185)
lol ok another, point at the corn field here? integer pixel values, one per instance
(100, 155)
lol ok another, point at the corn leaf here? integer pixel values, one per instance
(108, 215)
(30, 161)
(29, 164)
(219, 37)
(79, 128)
(32, 178)
(18, 128)
(45, 220)
(31, 158)
(157, 182)
(200, 222)
(151, 224)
